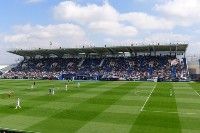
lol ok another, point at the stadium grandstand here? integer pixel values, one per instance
(133, 63)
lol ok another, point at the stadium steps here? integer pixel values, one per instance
(9, 67)
(102, 61)
(80, 64)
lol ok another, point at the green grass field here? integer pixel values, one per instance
(100, 107)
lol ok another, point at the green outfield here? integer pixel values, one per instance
(100, 107)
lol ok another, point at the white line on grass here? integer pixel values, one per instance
(5, 92)
(148, 98)
(196, 92)
(158, 111)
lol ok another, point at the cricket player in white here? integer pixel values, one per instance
(170, 92)
(32, 86)
(66, 87)
(18, 103)
(78, 84)
(53, 91)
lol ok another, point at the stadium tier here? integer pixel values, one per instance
(135, 62)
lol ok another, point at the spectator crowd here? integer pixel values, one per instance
(165, 68)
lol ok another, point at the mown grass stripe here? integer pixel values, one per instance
(158, 120)
(188, 104)
(116, 114)
(27, 106)
(106, 107)
(82, 114)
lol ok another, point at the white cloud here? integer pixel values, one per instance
(183, 12)
(161, 38)
(59, 30)
(197, 31)
(40, 36)
(168, 38)
(112, 28)
(145, 21)
(193, 48)
(71, 11)
(102, 19)
(105, 19)
(120, 42)
(6, 58)
(15, 38)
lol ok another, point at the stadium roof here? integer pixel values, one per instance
(60, 52)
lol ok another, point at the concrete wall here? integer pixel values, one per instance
(194, 66)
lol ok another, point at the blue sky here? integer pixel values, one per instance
(30, 24)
